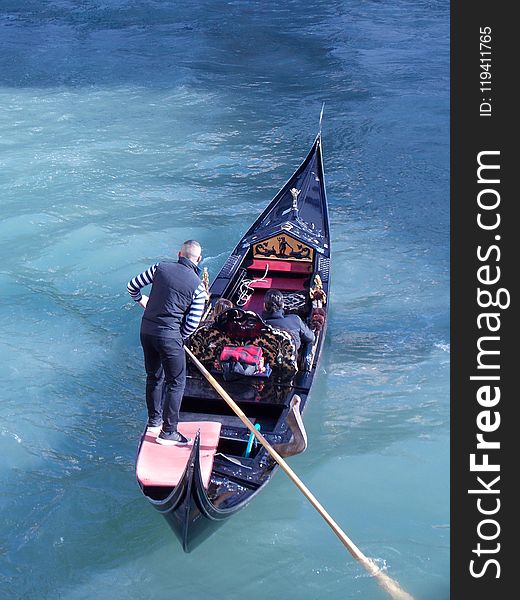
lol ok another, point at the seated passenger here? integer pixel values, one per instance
(274, 315)
(221, 305)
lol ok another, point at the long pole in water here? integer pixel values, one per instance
(385, 581)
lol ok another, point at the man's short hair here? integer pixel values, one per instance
(191, 249)
(273, 300)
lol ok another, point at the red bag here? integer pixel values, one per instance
(249, 355)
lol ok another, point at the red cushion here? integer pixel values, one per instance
(279, 283)
(255, 302)
(286, 266)
(164, 465)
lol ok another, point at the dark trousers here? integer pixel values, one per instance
(165, 364)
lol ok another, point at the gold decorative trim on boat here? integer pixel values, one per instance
(283, 247)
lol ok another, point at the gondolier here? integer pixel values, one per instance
(171, 314)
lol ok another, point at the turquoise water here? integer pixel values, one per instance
(125, 128)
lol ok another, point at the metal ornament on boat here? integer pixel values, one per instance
(295, 193)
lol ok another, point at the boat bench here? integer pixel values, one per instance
(277, 347)
(290, 277)
(281, 274)
(280, 266)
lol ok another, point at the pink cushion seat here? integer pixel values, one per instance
(159, 465)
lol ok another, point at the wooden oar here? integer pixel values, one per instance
(387, 583)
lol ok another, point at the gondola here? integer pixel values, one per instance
(198, 487)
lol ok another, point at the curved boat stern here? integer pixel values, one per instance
(190, 519)
(174, 480)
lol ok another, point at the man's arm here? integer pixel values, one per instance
(306, 334)
(196, 309)
(140, 281)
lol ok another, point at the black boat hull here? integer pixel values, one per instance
(187, 509)
(298, 219)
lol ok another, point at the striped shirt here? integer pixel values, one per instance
(140, 281)
(195, 313)
(198, 301)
